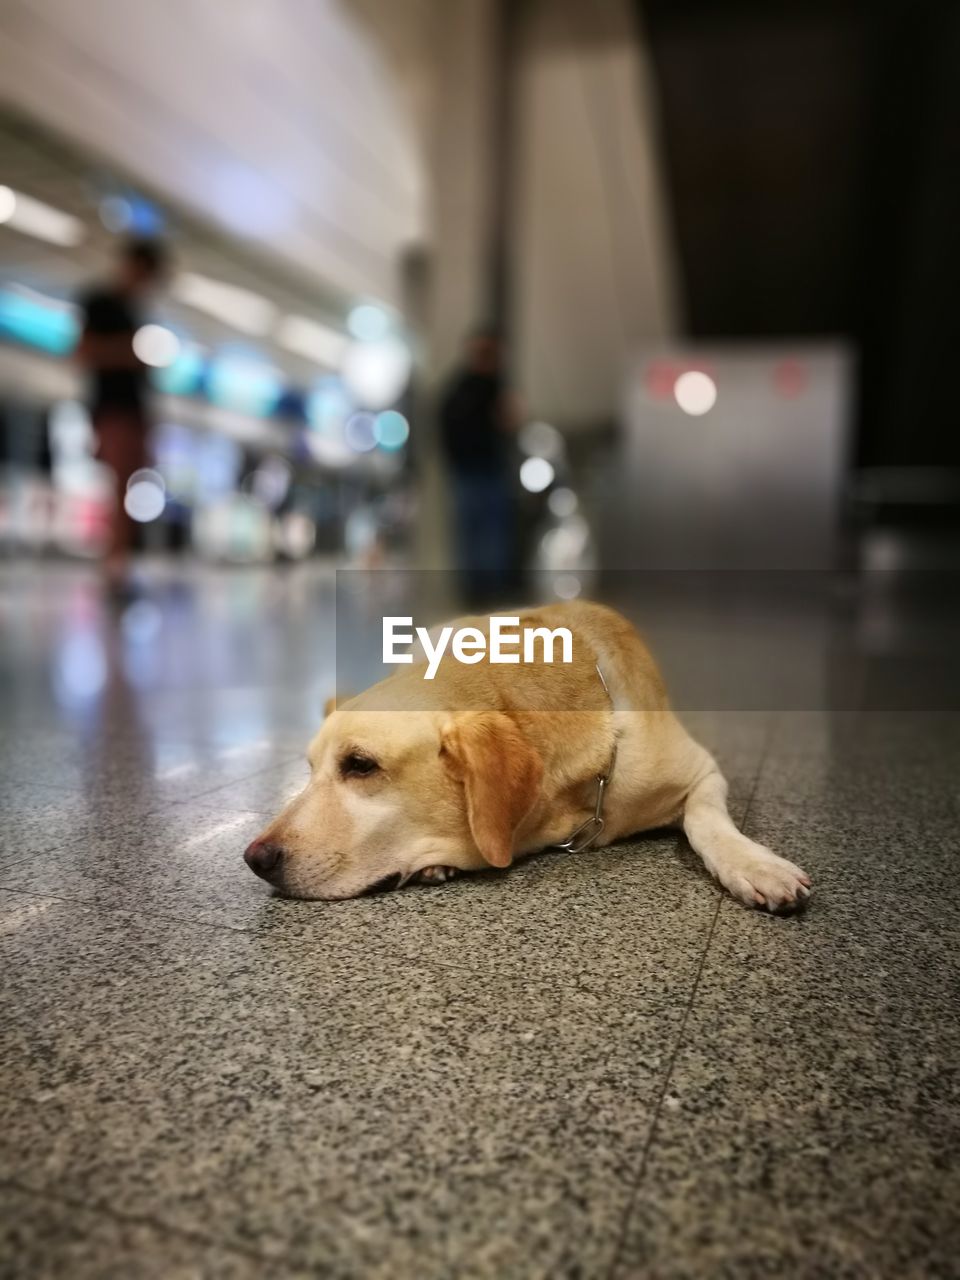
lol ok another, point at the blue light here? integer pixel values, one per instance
(182, 378)
(145, 218)
(47, 325)
(328, 406)
(245, 383)
(391, 429)
(130, 213)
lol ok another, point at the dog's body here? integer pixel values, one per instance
(489, 762)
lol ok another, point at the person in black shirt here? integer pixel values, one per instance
(118, 390)
(476, 426)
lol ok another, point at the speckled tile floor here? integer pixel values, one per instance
(591, 1067)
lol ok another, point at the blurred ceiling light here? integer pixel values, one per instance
(391, 429)
(230, 304)
(313, 341)
(368, 323)
(34, 218)
(562, 503)
(156, 345)
(536, 474)
(376, 373)
(541, 440)
(360, 432)
(695, 392)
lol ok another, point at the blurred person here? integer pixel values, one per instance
(111, 313)
(478, 416)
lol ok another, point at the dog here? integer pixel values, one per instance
(473, 769)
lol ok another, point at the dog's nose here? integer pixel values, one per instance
(263, 858)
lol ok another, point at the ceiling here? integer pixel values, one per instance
(295, 128)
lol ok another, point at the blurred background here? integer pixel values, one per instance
(544, 294)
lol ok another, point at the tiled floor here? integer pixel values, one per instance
(592, 1066)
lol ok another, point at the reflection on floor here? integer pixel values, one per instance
(585, 1066)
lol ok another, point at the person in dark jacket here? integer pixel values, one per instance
(118, 388)
(477, 421)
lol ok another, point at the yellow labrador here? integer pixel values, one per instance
(483, 763)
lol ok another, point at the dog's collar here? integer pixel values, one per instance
(588, 831)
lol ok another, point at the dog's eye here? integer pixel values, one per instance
(355, 765)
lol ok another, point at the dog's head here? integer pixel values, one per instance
(392, 792)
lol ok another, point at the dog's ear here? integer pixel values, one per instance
(501, 774)
(335, 700)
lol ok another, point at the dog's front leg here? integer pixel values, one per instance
(750, 871)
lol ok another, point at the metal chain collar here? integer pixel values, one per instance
(588, 831)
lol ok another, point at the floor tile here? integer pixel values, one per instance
(810, 1119)
(364, 1121)
(48, 1239)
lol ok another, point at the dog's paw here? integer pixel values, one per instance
(761, 879)
(435, 875)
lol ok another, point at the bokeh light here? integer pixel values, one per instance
(182, 376)
(360, 432)
(695, 392)
(296, 535)
(234, 528)
(536, 474)
(566, 586)
(376, 373)
(541, 440)
(392, 430)
(327, 407)
(71, 432)
(270, 482)
(562, 502)
(144, 500)
(246, 383)
(790, 378)
(116, 214)
(368, 323)
(566, 543)
(156, 345)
